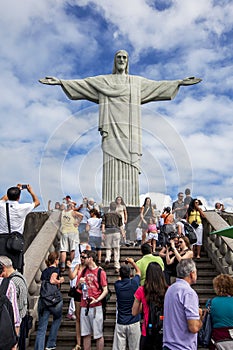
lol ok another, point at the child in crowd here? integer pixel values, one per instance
(152, 233)
(138, 232)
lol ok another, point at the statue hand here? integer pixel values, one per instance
(190, 81)
(50, 81)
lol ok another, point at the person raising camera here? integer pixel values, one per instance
(169, 269)
(12, 219)
(183, 251)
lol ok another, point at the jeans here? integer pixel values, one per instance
(44, 313)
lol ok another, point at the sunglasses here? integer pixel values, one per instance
(83, 257)
(181, 241)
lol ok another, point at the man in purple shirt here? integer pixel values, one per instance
(182, 316)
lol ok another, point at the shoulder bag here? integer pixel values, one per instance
(194, 222)
(204, 334)
(74, 293)
(15, 242)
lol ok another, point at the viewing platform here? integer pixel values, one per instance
(42, 236)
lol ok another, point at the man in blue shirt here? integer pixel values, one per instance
(182, 316)
(127, 326)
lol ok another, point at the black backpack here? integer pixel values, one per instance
(154, 330)
(50, 294)
(189, 232)
(8, 337)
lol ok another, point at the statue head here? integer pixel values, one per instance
(121, 62)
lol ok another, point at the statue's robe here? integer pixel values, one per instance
(120, 98)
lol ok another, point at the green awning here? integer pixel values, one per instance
(226, 232)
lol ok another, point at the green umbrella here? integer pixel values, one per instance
(226, 231)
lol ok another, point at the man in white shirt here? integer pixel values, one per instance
(17, 214)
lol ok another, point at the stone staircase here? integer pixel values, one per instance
(66, 336)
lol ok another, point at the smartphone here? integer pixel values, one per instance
(24, 187)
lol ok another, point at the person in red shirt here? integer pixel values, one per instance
(91, 306)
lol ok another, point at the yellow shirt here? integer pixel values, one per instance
(67, 222)
(195, 216)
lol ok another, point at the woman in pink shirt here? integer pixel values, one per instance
(153, 291)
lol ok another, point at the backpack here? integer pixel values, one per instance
(106, 299)
(189, 232)
(50, 294)
(154, 330)
(27, 319)
(8, 337)
(204, 334)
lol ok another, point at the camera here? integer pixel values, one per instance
(24, 187)
(167, 239)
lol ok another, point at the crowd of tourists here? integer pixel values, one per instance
(156, 306)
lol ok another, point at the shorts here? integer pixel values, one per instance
(95, 242)
(92, 324)
(153, 235)
(68, 242)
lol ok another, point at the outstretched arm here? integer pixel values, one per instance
(50, 81)
(190, 81)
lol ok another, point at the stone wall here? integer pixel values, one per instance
(33, 224)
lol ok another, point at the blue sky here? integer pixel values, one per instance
(53, 143)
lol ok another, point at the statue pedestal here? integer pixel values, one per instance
(133, 220)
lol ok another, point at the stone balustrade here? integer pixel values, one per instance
(45, 242)
(219, 248)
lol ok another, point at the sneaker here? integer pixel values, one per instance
(50, 348)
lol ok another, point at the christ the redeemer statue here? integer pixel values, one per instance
(120, 96)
